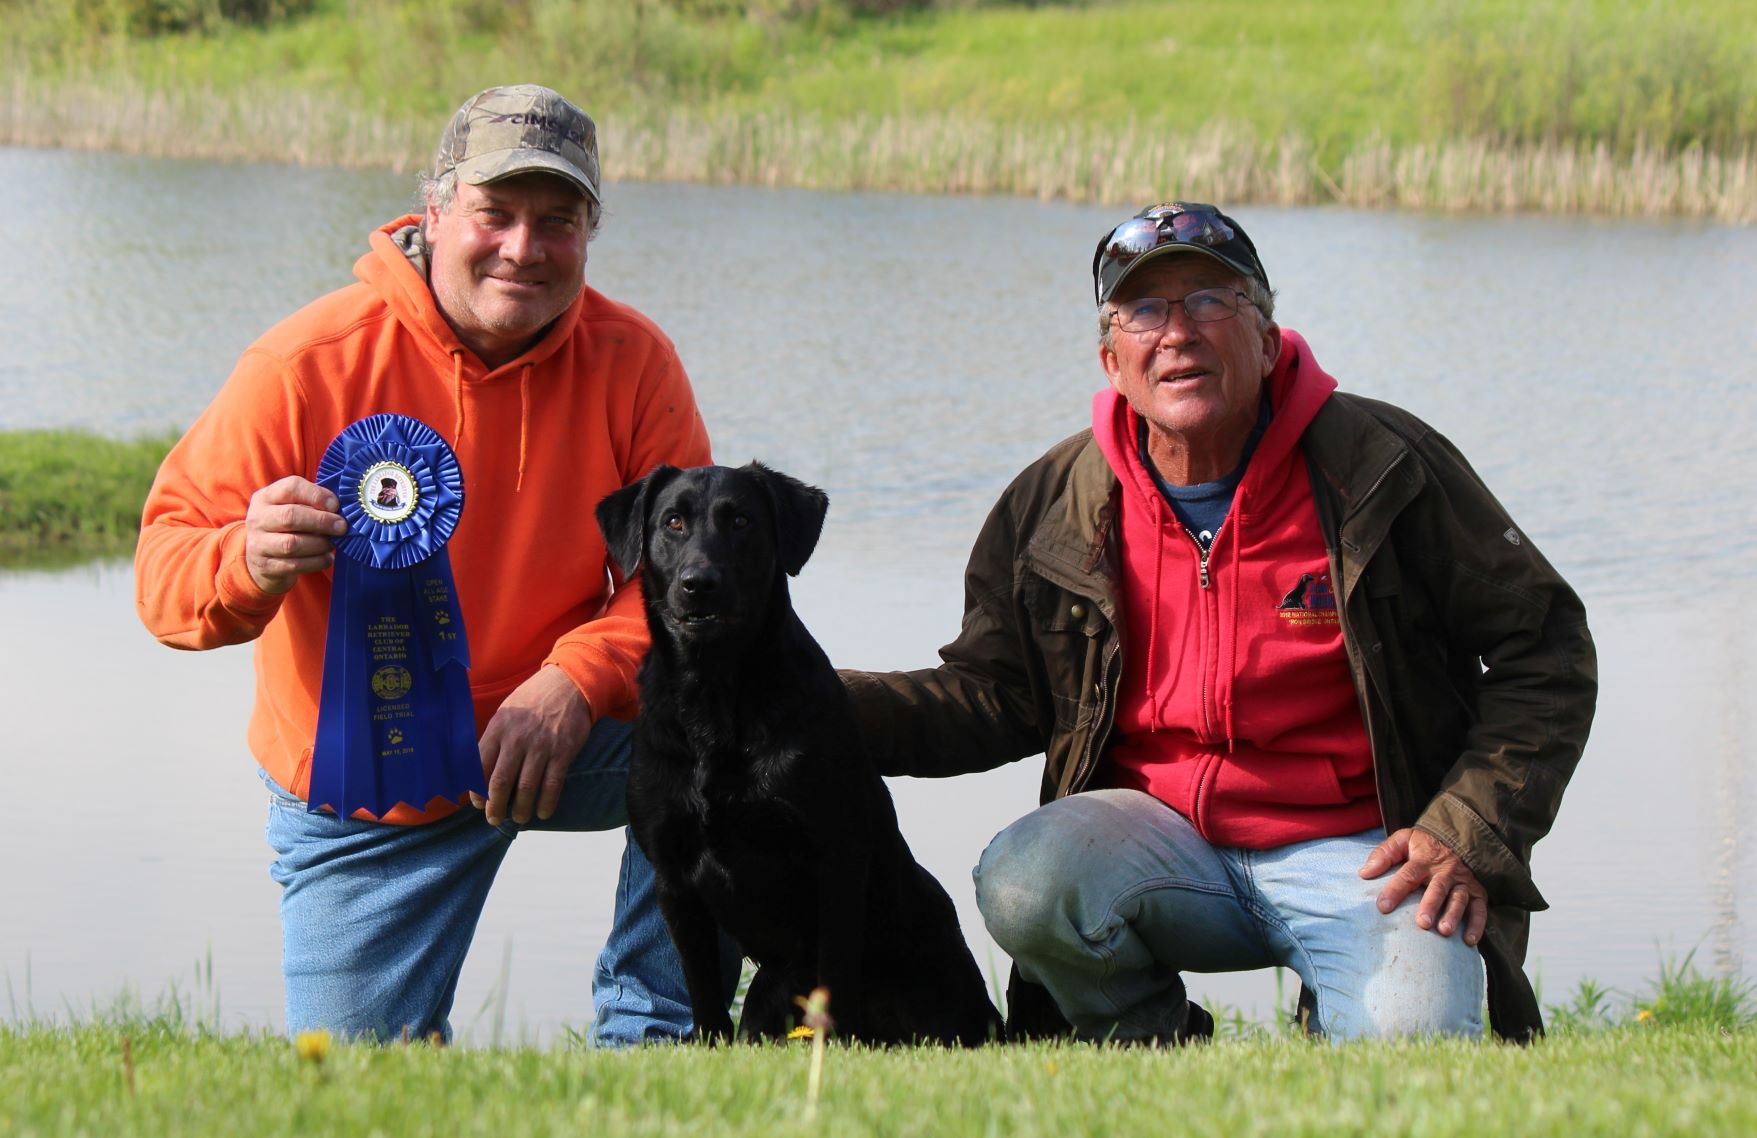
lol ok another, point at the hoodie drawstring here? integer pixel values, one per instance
(457, 396)
(1153, 612)
(524, 421)
(1237, 518)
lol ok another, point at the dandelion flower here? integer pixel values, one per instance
(1643, 1015)
(312, 1046)
(801, 1032)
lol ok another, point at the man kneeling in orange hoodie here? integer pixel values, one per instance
(472, 319)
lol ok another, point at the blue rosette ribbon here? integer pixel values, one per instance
(394, 721)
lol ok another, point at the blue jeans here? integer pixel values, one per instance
(376, 919)
(1105, 898)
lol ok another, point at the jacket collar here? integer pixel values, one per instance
(1368, 471)
(1075, 542)
(1363, 464)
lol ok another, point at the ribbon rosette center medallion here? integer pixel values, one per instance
(388, 492)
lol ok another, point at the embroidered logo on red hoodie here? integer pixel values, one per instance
(1310, 602)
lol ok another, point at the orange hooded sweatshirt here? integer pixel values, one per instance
(591, 407)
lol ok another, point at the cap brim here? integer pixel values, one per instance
(501, 164)
(1168, 249)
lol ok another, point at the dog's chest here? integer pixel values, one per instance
(743, 823)
(729, 806)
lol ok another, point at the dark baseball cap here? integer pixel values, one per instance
(520, 130)
(1172, 227)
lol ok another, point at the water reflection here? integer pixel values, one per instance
(1731, 856)
(909, 355)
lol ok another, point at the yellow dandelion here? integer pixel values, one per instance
(1643, 1014)
(1050, 1066)
(801, 1032)
(312, 1046)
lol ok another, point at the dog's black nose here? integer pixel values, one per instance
(699, 580)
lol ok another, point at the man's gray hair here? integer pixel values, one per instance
(1262, 299)
(442, 191)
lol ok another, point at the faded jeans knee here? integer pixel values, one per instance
(1023, 881)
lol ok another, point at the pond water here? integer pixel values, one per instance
(908, 354)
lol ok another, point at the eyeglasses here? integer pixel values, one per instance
(1175, 223)
(1204, 306)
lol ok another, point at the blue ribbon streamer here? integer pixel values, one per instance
(395, 721)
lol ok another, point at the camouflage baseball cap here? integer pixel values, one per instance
(519, 130)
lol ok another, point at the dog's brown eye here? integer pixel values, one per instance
(674, 521)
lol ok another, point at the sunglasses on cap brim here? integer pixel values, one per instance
(1176, 224)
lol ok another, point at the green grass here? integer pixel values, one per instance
(1677, 1059)
(1485, 104)
(1336, 72)
(1681, 997)
(141, 1079)
(70, 496)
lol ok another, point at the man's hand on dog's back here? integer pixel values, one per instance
(529, 744)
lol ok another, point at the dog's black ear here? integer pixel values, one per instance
(622, 517)
(799, 516)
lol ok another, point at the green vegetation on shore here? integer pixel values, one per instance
(71, 496)
(1565, 105)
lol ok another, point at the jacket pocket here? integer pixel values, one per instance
(1068, 632)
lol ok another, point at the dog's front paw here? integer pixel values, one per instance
(712, 1032)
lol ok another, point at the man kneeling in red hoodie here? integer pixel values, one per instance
(1307, 696)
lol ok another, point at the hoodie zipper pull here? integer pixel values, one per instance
(1201, 553)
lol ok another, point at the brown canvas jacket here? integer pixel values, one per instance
(1470, 655)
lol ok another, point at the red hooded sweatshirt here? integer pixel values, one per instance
(1237, 708)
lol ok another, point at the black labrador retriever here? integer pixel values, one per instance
(749, 790)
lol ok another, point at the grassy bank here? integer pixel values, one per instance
(70, 496)
(1676, 1059)
(1582, 106)
(142, 1081)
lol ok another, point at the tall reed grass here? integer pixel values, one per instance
(253, 125)
(1629, 76)
(1123, 163)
